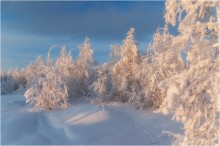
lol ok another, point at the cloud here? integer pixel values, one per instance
(99, 20)
(29, 28)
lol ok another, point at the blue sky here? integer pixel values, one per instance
(29, 29)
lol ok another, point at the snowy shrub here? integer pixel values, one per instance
(7, 83)
(47, 90)
(78, 76)
(29, 71)
(193, 94)
(102, 86)
(11, 81)
(51, 84)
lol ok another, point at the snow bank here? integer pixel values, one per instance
(82, 123)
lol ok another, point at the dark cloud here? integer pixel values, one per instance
(99, 20)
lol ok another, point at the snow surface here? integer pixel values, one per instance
(82, 123)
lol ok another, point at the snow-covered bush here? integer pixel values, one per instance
(78, 75)
(29, 71)
(102, 86)
(11, 81)
(51, 84)
(47, 89)
(193, 94)
(7, 83)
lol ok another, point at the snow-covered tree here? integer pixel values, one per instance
(64, 62)
(31, 69)
(162, 60)
(66, 67)
(84, 65)
(124, 70)
(47, 90)
(85, 58)
(193, 94)
(195, 17)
